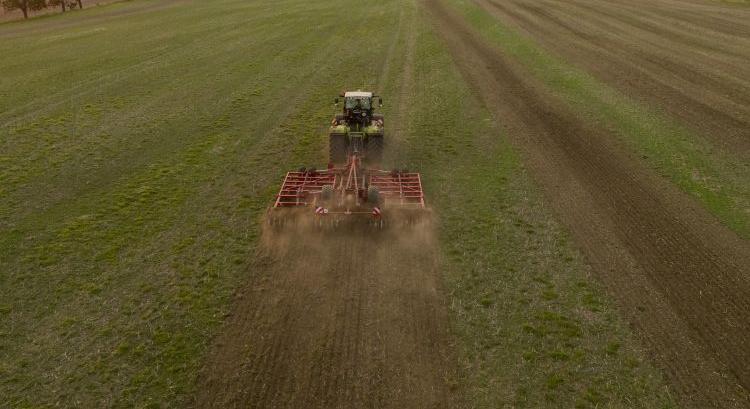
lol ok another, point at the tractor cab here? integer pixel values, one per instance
(358, 107)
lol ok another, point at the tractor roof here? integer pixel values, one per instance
(357, 94)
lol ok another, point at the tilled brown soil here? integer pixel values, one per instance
(351, 319)
(690, 59)
(679, 276)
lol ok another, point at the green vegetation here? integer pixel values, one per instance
(715, 178)
(133, 190)
(133, 175)
(533, 329)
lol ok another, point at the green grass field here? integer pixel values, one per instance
(142, 141)
(714, 177)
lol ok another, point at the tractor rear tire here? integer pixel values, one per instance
(374, 150)
(337, 149)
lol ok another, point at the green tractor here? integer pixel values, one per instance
(357, 129)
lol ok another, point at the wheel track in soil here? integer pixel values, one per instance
(713, 17)
(398, 120)
(661, 31)
(649, 60)
(628, 38)
(348, 320)
(678, 276)
(354, 320)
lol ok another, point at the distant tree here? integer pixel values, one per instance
(62, 3)
(24, 5)
(65, 4)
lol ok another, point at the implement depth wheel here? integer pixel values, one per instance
(326, 193)
(373, 195)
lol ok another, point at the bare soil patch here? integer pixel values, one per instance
(679, 276)
(346, 319)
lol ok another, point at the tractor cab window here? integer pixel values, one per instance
(357, 103)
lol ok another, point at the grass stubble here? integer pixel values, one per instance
(132, 196)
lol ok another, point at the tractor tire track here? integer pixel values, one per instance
(348, 320)
(712, 18)
(679, 276)
(700, 79)
(406, 89)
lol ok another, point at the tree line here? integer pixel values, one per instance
(28, 5)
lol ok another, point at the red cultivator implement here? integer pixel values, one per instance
(329, 197)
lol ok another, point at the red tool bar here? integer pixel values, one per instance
(406, 188)
(400, 189)
(298, 187)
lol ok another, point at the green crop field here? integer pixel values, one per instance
(141, 142)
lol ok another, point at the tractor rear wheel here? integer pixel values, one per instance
(337, 148)
(374, 149)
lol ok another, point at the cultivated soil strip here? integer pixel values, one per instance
(692, 61)
(350, 318)
(679, 276)
(345, 319)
